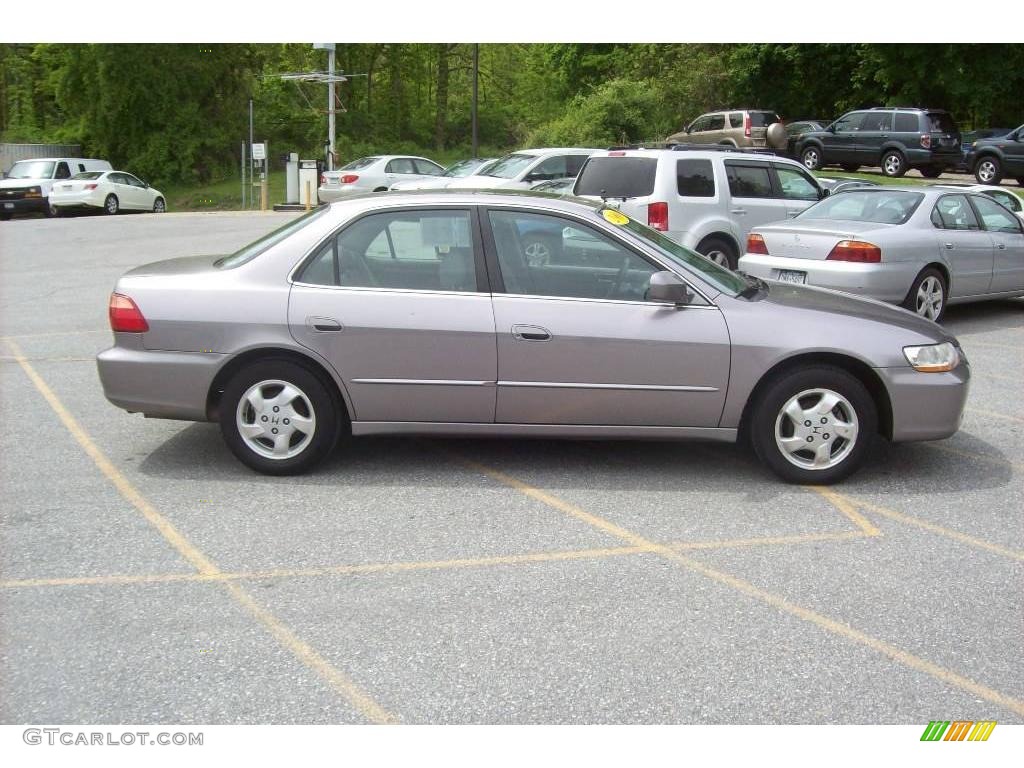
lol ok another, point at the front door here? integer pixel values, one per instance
(875, 130)
(579, 344)
(398, 303)
(840, 144)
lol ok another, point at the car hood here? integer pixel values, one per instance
(18, 183)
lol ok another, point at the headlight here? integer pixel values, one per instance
(974, 144)
(935, 358)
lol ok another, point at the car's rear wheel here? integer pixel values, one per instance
(159, 206)
(850, 167)
(811, 158)
(111, 205)
(719, 251)
(814, 425)
(278, 417)
(927, 296)
(894, 164)
(1020, 181)
(931, 173)
(988, 170)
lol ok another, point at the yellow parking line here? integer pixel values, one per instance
(11, 359)
(799, 538)
(362, 702)
(46, 334)
(776, 601)
(843, 504)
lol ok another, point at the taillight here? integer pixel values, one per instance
(756, 244)
(926, 140)
(323, 179)
(657, 216)
(125, 316)
(855, 250)
(746, 125)
(91, 186)
(349, 178)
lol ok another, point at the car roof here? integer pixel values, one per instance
(427, 197)
(717, 151)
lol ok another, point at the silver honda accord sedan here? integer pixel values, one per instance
(420, 313)
(921, 248)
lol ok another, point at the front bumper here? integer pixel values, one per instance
(926, 406)
(885, 281)
(24, 205)
(166, 385)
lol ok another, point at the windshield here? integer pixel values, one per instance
(31, 169)
(254, 249)
(509, 166)
(464, 168)
(723, 279)
(877, 206)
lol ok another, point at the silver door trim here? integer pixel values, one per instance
(580, 385)
(426, 382)
(580, 431)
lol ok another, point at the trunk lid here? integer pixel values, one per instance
(813, 242)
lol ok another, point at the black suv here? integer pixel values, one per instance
(895, 138)
(991, 159)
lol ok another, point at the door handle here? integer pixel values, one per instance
(531, 333)
(738, 211)
(792, 214)
(949, 246)
(323, 324)
(1001, 246)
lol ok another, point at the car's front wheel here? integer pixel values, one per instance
(814, 425)
(159, 206)
(811, 158)
(850, 167)
(931, 173)
(988, 170)
(720, 252)
(278, 417)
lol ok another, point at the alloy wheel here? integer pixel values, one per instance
(275, 419)
(929, 299)
(816, 429)
(986, 171)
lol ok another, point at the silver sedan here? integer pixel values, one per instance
(923, 248)
(421, 313)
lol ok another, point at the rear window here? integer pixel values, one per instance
(88, 175)
(254, 249)
(877, 207)
(942, 122)
(362, 162)
(762, 119)
(617, 177)
(695, 178)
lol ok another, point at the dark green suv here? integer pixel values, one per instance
(895, 139)
(991, 159)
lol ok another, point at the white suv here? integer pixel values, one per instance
(523, 169)
(707, 199)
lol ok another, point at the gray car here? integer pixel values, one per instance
(922, 248)
(419, 313)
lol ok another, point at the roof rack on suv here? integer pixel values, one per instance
(721, 148)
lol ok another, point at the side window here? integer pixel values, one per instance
(796, 185)
(749, 180)
(995, 217)
(735, 119)
(877, 121)
(81, 167)
(695, 178)
(954, 212)
(577, 262)
(907, 122)
(1010, 201)
(116, 178)
(850, 122)
(427, 168)
(716, 123)
(400, 165)
(416, 250)
(133, 181)
(700, 124)
(552, 168)
(63, 172)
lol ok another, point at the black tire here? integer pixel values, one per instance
(914, 302)
(848, 453)
(850, 167)
(5, 217)
(811, 157)
(988, 170)
(931, 173)
(52, 211)
(540, 250)
(327, 413)
(159, 206)
(111, 206)
(1020, 181)
(894, 164)
(720, 251)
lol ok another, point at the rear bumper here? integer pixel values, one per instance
(917, 158)
(926, 406)
(167, 385)
(90, 199)
(886, 282)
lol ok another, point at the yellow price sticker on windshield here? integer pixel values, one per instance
(614, 216)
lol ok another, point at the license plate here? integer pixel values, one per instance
(792, 276)
(8, 205)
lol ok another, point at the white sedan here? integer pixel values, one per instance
(374, 174)
(111, 191)
(999, 194)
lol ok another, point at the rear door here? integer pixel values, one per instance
(963, 245)
(1007, 235)
(875, 130)
(754, 196)
(398, 303)
(579, 344)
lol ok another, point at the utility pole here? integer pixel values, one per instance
(473, 103)
(250, 148)
(330, 106)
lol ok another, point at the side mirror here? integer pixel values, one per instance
(823, 193)
(668, 287)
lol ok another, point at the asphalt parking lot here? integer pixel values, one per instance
(148, 577)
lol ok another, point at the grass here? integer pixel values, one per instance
(914, 180)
